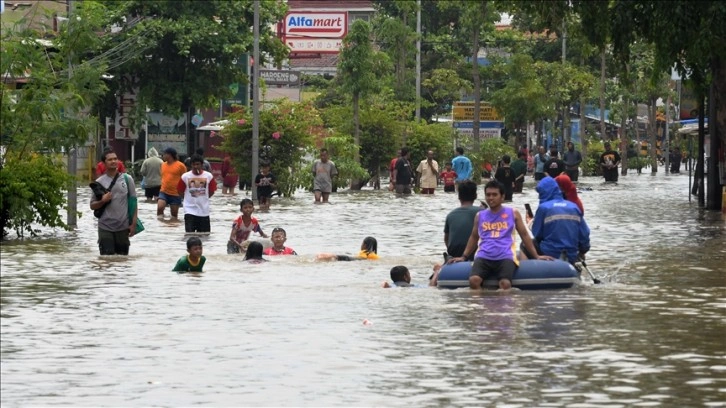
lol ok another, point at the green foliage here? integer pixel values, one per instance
(343, 152)
(184, 53)
(492, 150)
(565, 83)
(591, 163)
(381, 133)
(523, 98)
(445, 86)
(398, 40)
(423, 137)
(32, 188)
(297, 124)
(48, 114)
(360, 66)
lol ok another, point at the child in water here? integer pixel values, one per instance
(265, 182)
(278, 237)
(449, 178)
(401, 278)
(254, 253)
(368, 250)
(242, 227)
(194, 261)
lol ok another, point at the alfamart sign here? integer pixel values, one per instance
(314, 31)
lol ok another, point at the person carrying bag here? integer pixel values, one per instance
(133, 204)
(99, 190)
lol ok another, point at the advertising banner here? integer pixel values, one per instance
(315, 31)
(167, 131)
(464, 111)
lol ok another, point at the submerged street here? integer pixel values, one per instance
(83, 330)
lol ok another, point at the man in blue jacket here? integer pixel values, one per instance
(558, 227)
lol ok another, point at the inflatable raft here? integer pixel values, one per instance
(531, 275)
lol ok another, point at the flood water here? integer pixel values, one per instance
(78, 329)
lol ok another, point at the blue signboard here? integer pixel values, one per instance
(484, 124)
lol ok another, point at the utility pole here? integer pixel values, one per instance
(418, 60)
(667, 150)
(256, 101)
(565, 109)
(71, 218)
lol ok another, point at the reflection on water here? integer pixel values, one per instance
(82, 330)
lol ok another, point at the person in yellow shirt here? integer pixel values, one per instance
(171, 172)
(368, 250)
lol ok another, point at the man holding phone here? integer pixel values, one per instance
(558, 228)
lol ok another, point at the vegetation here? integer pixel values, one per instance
(47, 116)
(284, 130)
(183, 55)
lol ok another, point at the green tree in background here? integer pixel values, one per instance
(289, 129)
(184, 54)
(360, 69)
(523, 99)
(444, 86)
(48, 115)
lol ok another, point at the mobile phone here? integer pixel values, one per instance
(529, 210)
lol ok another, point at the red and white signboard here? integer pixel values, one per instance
(315, 31)
(317, 45)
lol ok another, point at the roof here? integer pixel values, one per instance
(325, 5)
(320, 62)
(37, 13)
(215, 126)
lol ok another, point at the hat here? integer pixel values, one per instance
(170, 150)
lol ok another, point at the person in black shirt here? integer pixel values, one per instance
(609, 161)
(554, 166)
(403, 173)
(505, 175)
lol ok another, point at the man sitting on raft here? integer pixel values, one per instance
(494, 231)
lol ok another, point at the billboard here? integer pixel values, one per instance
(464, 110)
(167, 131)
(315, 31)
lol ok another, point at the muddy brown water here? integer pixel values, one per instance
(83, 330)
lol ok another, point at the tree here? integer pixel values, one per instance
(288, 129)
(397, 40)
(184, 53)
(523, 99)
(565, 83)
(360, 68)
(45, 117)
(689, 35)
(444, 86)
(476, 18)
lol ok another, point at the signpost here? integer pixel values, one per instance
(273, 77)
(490, 123)
(464, 110)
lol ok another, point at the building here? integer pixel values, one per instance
(321, 60)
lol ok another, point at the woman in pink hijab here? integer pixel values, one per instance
(569, 190)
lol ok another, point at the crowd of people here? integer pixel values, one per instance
(483, 234)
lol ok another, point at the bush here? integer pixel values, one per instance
(591, 163)
(33, 192)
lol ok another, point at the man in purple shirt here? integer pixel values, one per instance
(493, 229)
